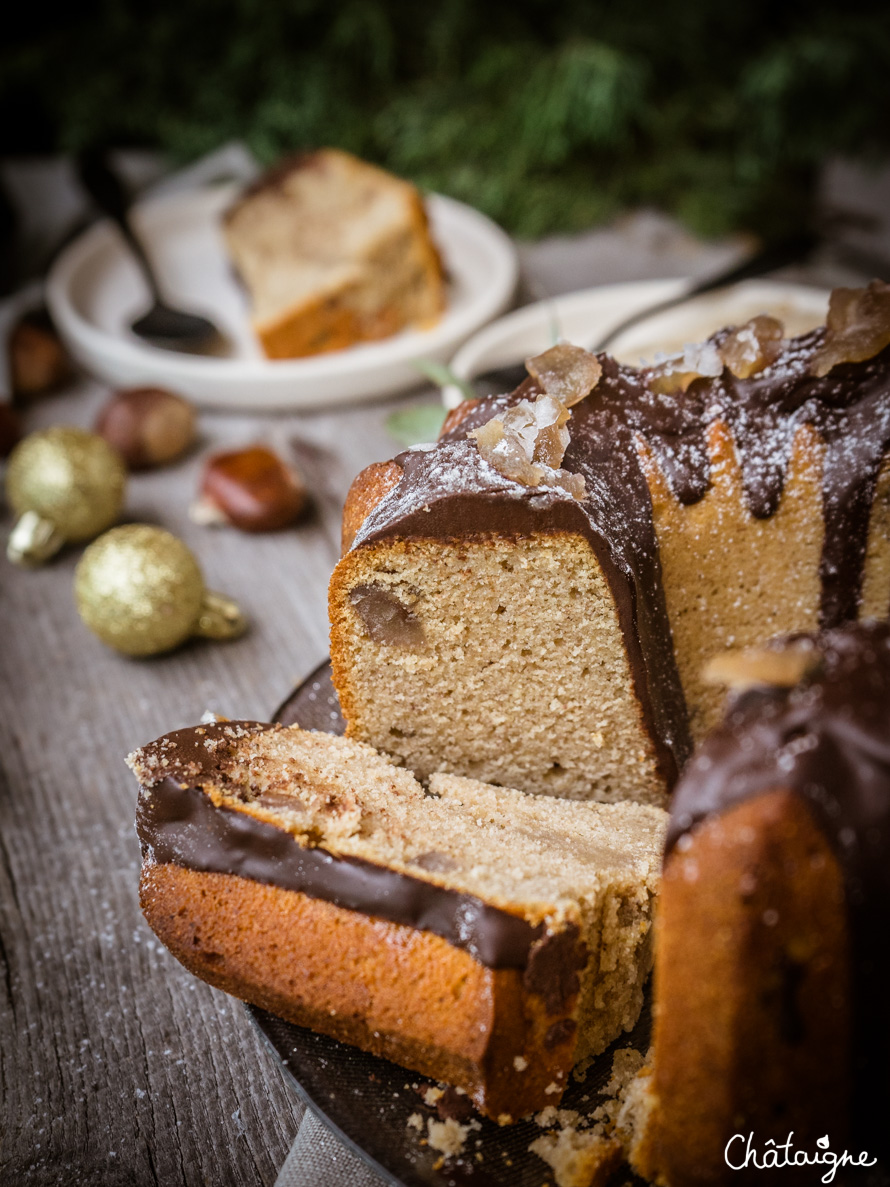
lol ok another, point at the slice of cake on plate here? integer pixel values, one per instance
(333, 251)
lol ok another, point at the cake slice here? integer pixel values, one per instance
(472, 933)
(772, 958)
(333, 251)
(530, 600)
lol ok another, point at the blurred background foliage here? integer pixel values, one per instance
(549, 115)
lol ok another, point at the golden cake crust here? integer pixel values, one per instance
(721, 565)
(403, 994)
(756, 899)
(366, 491)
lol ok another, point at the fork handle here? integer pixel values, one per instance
(109, 194)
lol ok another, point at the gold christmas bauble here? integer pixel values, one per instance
(140, 589)
(66, 485)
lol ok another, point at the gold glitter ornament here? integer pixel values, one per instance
(66, 486)
(139, 588)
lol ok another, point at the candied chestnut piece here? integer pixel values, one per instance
(763, 667)
(251, 489)
(566, 372)
(675, 372)
(753, 347)
(857, 327)
(528, 442)
(386, 619)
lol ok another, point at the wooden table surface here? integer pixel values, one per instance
(117, 1066)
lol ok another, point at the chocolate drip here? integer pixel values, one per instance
(850, 409)
(828, 740)
(450, 492)
(177, 822)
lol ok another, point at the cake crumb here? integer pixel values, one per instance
(580, 1070)
(415, 1121)
(586, 1151)
(520, 1063)
(431, 1095)
(552, 1087)
(626, 1063)
(448, 1137)
(579, 1159)
(552, 1116)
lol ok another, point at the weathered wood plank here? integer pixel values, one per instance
(116, 1066)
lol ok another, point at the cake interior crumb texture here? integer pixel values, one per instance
(579, 1158)
(586, 1150)
(500, 659)
(732, 580)
(551, 861)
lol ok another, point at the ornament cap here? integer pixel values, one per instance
(220, 618)
(33, 540)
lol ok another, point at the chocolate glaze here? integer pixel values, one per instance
(828, 740)
(188, 754)
(449, 491)
(553, 968)
(178, 822)
(560, 1032)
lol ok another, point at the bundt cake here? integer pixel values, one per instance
(333, 251)
(469, 932)
(772, 958)
(530, 601)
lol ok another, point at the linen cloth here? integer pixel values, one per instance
(319, 1158)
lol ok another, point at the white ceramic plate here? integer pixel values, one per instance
(587, 316)
(95, 291)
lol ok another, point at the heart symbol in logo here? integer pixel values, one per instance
(822, 1143)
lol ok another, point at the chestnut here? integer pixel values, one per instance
(10, 429)
(38, 362)
(251, 489)
(148, 426)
